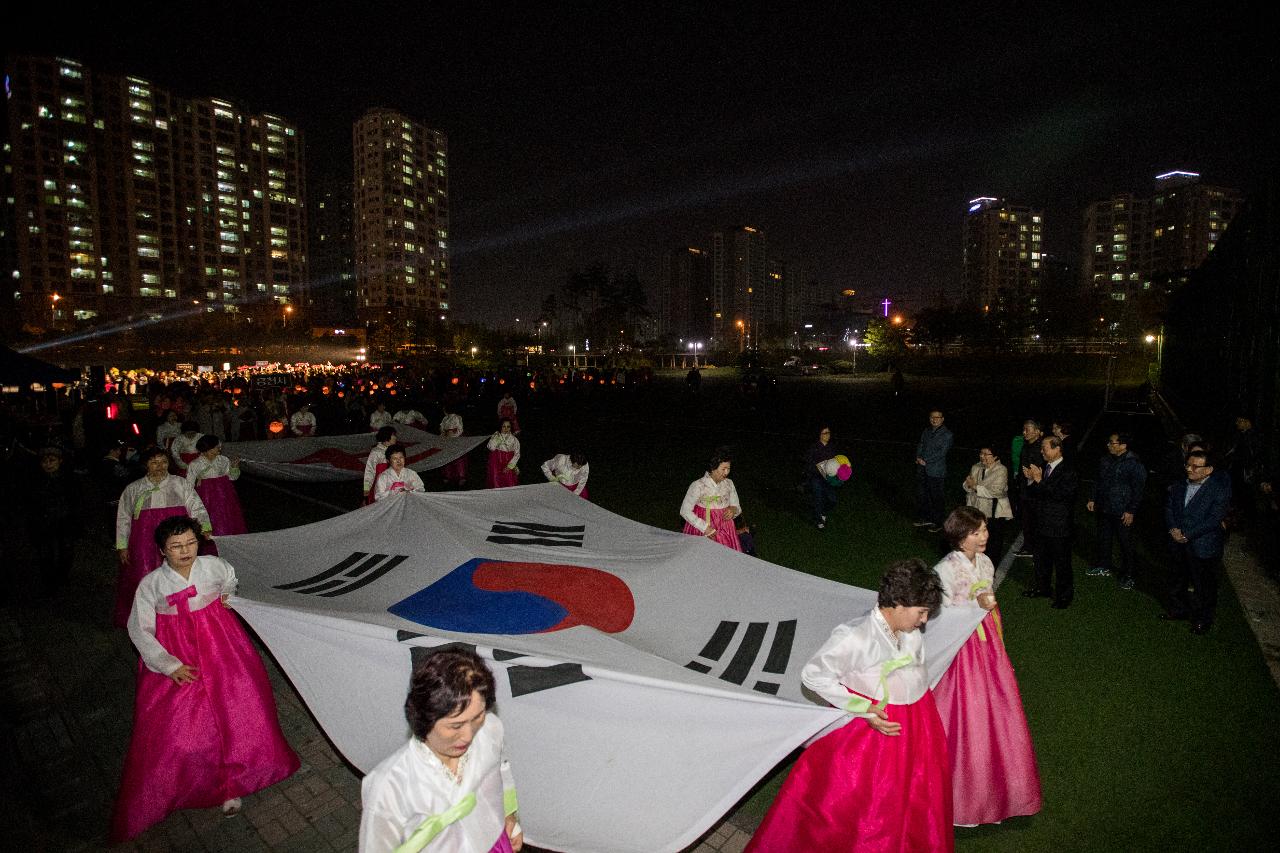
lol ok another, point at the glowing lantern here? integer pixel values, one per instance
(453, 381)
(275, 427)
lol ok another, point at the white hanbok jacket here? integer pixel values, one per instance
(212, 577)
(411, 795)
(144, 494)
(711, 495)
(559, 469)
(864, 656)
(202, 469)
(390, 483)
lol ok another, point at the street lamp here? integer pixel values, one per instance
(53, 309)
(288, 309)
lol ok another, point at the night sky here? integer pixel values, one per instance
(609, 133)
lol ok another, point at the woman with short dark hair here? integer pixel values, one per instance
(885, 785)
(504, 457)
(213, 477)
(450, 786)
(205, 731)
(711, 503)
(144, 504)
(994, 774)
(569, 470)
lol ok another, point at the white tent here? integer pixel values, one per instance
(327, 458)
(647, 679)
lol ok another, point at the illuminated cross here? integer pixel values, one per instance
(886, 305)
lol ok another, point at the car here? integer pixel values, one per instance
(795, 366)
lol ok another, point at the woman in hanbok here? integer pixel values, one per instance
(303, 423)
(451, 427)
(380, 418)
(169, 430)
(569, 470)
(711, 504)
(397, 477)
(504, 456)
(993, 762)
(377, 461)
(205, 731)
(881, 782)
(213, 475)
(507, 411)
(449, 788)
(183, 447)
(143, 505)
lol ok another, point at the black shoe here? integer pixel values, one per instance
(1034, 593)
(1024, 554)
(1059, 604)
(1173, 617)
(1200, 628)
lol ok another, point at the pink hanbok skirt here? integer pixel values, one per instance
(144, 556)
(858, 789)
(585, 494)
(198, 745)
(456, 471)
(992, 758)
(498, 475)
(377, 472)
(502, 845)
(220, 499)
(726, 531)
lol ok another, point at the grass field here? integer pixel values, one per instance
(1148, 738)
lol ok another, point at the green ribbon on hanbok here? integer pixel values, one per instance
(861, 704)
(434, 825)
(142, 498)
(975, 588)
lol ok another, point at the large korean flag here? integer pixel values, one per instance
(647, 679)
(329, 458)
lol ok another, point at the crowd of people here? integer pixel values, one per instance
(959, 754)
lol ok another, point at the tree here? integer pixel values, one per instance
(885, 340)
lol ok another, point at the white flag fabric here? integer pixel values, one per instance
(646, 679)
(327, 458)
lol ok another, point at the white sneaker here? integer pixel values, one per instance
(231, 807)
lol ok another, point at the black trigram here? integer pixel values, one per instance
(523, 679)
(528, 533)
(359, 569)
(739, 666)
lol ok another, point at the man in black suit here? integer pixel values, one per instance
(1193, 512)
(1053, 490)
(1020, 494)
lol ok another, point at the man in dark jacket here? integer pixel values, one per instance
(1193, 512)
(1116, 496)
(1023, 500)
(1053, 489)
(931, 472)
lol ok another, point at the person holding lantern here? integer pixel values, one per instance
(824, 470)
